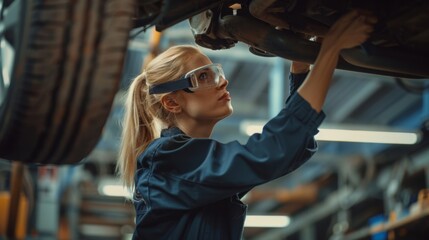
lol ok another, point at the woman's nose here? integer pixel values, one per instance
(223, 82)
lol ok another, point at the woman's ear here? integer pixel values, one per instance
(171, 104)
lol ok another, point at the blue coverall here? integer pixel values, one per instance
(190, 188)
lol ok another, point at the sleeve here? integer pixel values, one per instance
(295, 81)
(212, 170)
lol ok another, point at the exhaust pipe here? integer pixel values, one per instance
(286, 44)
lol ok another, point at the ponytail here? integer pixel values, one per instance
(138, 129)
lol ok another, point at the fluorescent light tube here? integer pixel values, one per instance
(113, 188)
(114, 191)
(348, 133)
(363, 136)
(266, 221)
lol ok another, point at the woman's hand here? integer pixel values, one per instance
(350, 30)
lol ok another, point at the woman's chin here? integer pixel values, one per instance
(229, 112)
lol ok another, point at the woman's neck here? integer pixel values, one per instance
(196, 129)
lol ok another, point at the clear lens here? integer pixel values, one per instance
(206, 76)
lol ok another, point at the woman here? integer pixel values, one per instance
(188, 186)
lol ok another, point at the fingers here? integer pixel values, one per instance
(353, 20)
(360, 30)
(351, 29)
(364, 24)
(371, 19)
(368, 28)
(349, 16)
(360, 15)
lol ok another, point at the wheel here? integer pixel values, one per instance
(61, 66)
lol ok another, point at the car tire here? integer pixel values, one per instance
(67, 62)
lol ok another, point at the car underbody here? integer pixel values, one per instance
(398, 46)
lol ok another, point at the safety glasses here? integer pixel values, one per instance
(204, 77)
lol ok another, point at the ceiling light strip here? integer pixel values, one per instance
(265, 221)
(349, 135)
(363, 136)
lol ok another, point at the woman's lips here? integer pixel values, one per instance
(225, 96)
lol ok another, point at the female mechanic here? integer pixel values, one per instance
(188, 186)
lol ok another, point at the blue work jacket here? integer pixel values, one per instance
(190, 188)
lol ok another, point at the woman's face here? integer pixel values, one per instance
(205, 105)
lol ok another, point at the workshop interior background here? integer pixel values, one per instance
(348, 190)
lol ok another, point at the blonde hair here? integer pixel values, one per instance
(142, 111)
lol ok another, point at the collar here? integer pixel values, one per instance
(172, 131)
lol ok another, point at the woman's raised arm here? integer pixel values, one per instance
(349, 31)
